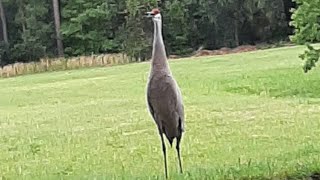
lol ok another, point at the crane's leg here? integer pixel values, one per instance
(164, 155)
(178, 152)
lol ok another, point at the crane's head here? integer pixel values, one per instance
(154, 14)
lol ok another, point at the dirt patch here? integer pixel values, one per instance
(173, 56)
(225, 50)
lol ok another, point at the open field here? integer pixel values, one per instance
(249, 115)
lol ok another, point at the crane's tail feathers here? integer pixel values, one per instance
(170, 141)
(181, 126)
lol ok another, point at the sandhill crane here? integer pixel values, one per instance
(163, 94)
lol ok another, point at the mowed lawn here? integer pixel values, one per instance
(248, 115)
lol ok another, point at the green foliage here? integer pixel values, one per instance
(84, 27)
(136, 42)
(112, 26)
(177, 36)
(306, 21)
(35, 30)
(4, 49)
(311, 57)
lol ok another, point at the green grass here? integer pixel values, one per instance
(249, 115)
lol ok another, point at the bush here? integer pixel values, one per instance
(306, 21)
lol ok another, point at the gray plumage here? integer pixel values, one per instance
(163, 94)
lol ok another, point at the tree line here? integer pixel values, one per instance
(33, 29)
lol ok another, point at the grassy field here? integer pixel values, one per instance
(250, 115)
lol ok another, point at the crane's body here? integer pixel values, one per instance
(165, 105)
(163, 94)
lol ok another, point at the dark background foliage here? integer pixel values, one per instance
(112, 26)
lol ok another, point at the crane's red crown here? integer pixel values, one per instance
(155, 11)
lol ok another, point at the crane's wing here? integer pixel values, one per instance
(151, 110)
(174, 93)
(150, 107)
(180, 109)
(164, 93)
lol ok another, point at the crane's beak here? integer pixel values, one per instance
(149, 14)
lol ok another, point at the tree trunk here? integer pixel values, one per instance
(56, 12)
(4, 23)
(236, 33)
(288, 4)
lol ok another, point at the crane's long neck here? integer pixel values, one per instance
(159, 57)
